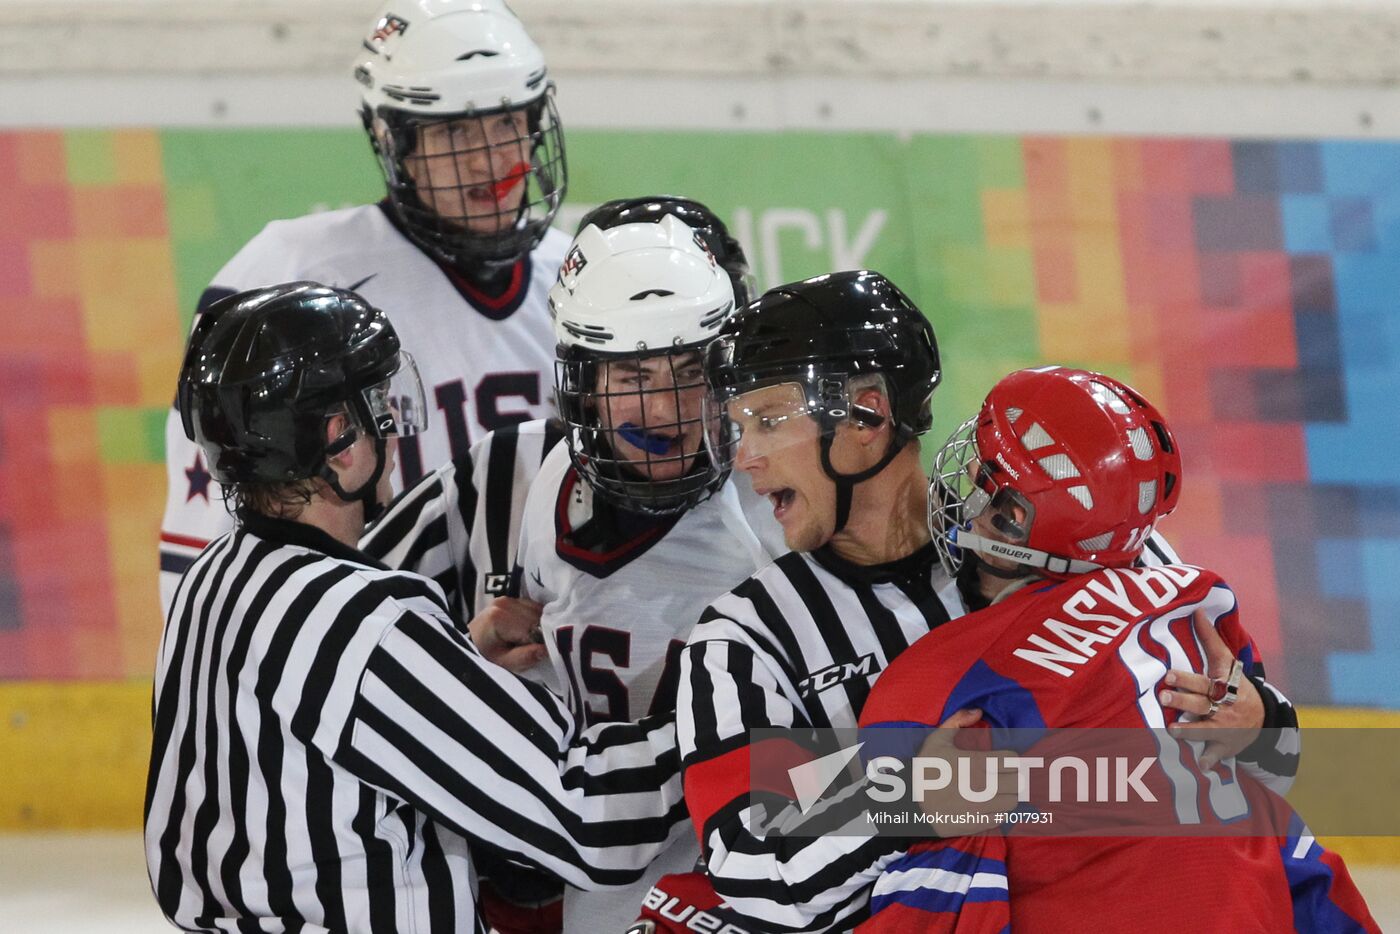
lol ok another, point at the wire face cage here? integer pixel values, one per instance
(637, 428)
(482, 186)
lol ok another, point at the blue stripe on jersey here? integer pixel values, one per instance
(1002, 700)
(952, 859)
(898, 738)
(177, 564)
(983, 880)
(1310, 881)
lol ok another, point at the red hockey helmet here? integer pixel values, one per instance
(1076, 467)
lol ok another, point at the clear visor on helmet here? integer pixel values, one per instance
(637, 427)
(748, 283)
(759, 421)
(395, 406)
(963, 489)
(767, 419)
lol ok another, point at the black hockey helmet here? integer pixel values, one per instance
(713, 233)
(819, 334)
(264, 369)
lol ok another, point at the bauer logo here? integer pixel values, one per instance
(1010, 551)
(682, 915)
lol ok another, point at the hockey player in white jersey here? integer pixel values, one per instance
(460, 113)
(629, 528)
(460, 525)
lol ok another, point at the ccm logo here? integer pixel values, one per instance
(833, 675)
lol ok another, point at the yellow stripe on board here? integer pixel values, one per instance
(73, 756)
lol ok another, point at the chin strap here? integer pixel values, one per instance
(846, 482)
(368, 493)
(1028, 558)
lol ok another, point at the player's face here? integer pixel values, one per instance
(651, 409)
(779, 448)
(987, 524)
(473, 172)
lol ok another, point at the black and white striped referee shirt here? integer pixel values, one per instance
(328, 745)
(799, 645)
(460, 524)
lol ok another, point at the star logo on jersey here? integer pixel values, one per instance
(199, 479)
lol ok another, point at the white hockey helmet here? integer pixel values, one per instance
(433, 61)
(639, 288)
(631, 295)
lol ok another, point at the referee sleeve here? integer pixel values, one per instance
(427, 530)
(730, 686)
(498, 759)
(1273, 758)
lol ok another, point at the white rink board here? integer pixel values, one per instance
(1227, 68)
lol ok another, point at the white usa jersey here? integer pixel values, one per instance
(485, 362)
(616, 617)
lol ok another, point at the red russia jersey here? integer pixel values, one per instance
(1092, 652)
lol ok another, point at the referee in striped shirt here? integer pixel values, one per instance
(822, 388)
(330, 753)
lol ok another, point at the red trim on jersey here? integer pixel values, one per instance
(481, 299)
(715, 783)
(184, 540)
(563, 528)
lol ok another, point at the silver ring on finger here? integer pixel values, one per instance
(1214, 709)
(1226, 691)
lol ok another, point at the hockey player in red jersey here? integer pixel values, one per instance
(1042, 502)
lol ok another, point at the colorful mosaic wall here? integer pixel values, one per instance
(1247, 287)
(90, 342)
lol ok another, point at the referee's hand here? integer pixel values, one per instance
(508, 633)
